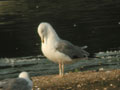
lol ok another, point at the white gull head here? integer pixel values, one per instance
(45, 30)
(25, 76)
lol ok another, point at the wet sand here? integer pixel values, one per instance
(87, 80)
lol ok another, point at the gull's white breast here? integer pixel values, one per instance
(49, 50)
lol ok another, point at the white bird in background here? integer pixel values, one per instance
(23, 82)
(58, 50)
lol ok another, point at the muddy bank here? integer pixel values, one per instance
(88, 80)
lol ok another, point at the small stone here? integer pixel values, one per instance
(111, 85)
(105, 89)
(38, 89)
(69, 88)
(108, 72)
(35, 86)
(78, 85)
(101, 69)
(103, 78)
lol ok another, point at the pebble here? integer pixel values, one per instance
(111, 85)
(78, 85)
(101, 69)
(105, 89)
(69, 88)
(108, 72)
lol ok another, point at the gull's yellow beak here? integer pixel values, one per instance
(42, 39)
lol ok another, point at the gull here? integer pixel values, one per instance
(23, 82)
(58, 50)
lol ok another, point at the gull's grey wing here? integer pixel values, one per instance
(71, 50)
(17, 84)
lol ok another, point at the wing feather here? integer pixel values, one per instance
(71, 50)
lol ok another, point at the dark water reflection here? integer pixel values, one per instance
(83, 22)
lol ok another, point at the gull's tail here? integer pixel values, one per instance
(85, 53)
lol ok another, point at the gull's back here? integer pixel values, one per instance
(71, 50)
(16, 84)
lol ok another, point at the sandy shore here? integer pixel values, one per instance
(88, 80)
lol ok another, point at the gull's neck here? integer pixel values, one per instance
(52, 35)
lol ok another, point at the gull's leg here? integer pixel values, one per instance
(62, 69)
(60, 72)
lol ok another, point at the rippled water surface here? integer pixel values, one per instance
(82, 22)
(38, 65)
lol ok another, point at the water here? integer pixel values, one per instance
(38, 65)
(92, 23)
